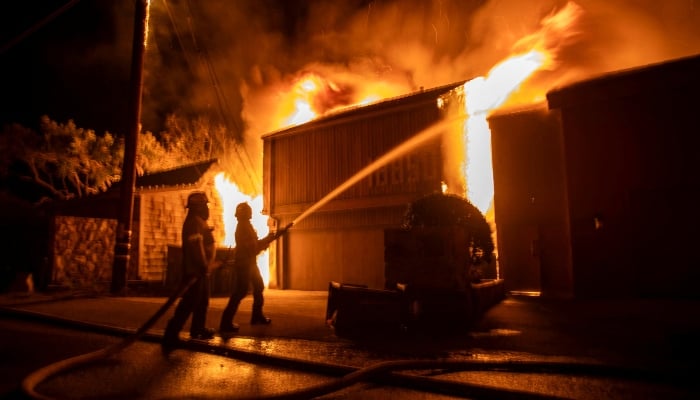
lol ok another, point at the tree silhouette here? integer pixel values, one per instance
(63, 161)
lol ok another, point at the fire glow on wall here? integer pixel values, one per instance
(313, 95)
(309, 98)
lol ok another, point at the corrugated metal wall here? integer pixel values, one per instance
(534, 245)
(632, 149)
(597, 196)
(343, 240)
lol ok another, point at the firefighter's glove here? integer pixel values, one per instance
(282, 231)
(214, 265)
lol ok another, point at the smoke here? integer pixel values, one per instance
(236, 60)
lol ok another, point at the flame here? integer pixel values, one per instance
(481, 96)
(485, 94)
(302, 100)
(315, 94)
(231, 196)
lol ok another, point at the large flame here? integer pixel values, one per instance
(302, 96)
(313, 94)
(231, 196)
(485, 94)
(481, 96)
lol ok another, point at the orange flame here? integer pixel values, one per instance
(485, 94)
(231, 196)
(315, 94)
(303, 94)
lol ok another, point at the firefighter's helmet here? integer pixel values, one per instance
(197, 199)
(243, 211)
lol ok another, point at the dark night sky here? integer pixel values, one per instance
(63, 69)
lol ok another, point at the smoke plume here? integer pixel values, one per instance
(236, 60)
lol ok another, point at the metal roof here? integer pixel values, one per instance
(629, 82)
(181, 176)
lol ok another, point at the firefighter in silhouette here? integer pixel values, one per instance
(198, 259)
(248, 246)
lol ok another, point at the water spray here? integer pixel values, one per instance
(420, 138)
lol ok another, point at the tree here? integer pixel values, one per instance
(182, 142)
(62, 160)
(446, 210)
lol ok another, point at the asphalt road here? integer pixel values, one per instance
(622, 350)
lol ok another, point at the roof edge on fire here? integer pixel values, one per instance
(350, 112)
(628, 82)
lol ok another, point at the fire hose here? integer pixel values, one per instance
(382, 372)
(32, 380)
(387, 373)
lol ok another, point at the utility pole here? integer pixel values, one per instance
(122, 246)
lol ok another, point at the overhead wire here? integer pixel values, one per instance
(12, 42)
(220, 96)
(223, 103)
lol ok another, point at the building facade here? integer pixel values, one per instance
(343, 240)
(596, 192)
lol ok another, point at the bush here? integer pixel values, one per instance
(450, 210)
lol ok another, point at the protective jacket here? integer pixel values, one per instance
(198, 250)
(248, 246)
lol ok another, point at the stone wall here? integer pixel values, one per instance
(83, 251)
(83, 247)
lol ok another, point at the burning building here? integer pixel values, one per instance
(344, 239)
(543, 199)
(353, 172)
(596, 190)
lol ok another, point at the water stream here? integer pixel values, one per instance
(398, 151)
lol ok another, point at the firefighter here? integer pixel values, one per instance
(248, 246)
(198, 260)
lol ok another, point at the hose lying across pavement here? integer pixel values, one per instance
(36, 377)
(386, 373)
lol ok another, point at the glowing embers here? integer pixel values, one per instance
(495, 333)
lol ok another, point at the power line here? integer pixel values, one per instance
(11, 43)
(222, 102)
